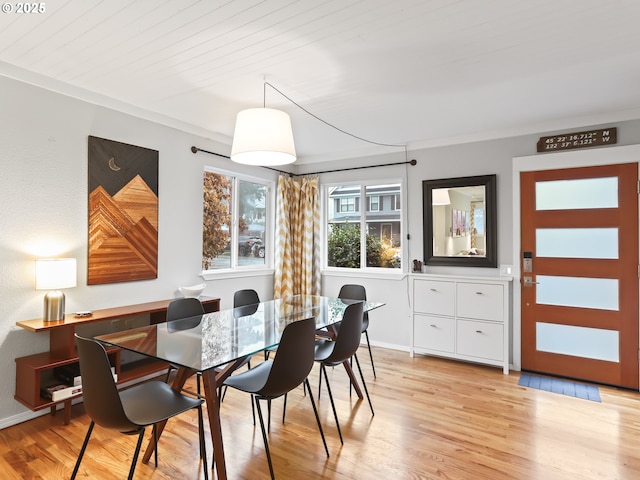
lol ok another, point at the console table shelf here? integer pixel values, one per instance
(32, 370)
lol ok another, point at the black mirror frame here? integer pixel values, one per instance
(491, 238)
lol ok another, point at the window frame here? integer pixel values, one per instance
(270, 203)
(363, 200)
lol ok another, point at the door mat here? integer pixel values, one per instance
(564, 387)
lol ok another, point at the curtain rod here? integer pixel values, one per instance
(410, 162)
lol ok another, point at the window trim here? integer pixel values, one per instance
(270, 204)
(363, 184)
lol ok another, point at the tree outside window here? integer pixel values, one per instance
(231, 201)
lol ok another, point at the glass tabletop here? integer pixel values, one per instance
(214, 339)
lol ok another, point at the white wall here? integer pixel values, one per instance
(43, 154)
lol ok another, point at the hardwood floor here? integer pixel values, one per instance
(435, 419)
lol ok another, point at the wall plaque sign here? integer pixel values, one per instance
(590, 138)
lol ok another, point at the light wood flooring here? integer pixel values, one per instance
(435, 419)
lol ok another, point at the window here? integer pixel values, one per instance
(374, 203)
(348, 204)
(372, 239)
(235, 222)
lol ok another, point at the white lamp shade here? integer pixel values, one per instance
(53, 274)
(440, 196)
(263, 136)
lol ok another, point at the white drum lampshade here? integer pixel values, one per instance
(55, 274)
(263, 137)
(440, 196)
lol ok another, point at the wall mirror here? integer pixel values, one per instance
(459, 221)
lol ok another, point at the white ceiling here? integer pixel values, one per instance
(417, 72)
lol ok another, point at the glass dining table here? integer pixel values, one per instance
(214, 344)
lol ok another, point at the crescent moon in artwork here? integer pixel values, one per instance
(112, 164)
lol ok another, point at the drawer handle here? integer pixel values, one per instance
(434, 326)
(478, 293)
(479, 331)
(433, 290)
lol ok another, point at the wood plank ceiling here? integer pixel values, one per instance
(417, 72)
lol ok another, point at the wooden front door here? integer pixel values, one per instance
(579, 264)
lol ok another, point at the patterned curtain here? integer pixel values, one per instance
(297, 262)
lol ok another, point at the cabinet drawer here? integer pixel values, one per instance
(480, 339)
(480, 301)
(434, 333)
(430, 296)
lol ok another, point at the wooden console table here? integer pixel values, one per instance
(32, 370)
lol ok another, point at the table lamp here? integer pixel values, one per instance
(54, 274)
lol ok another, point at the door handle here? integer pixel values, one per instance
(528, 281)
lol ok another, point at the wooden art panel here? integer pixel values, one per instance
(123, 212)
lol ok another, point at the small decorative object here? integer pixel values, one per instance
(417, 266)
(55, 274)
(193, 291)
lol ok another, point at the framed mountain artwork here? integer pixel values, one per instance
(123, 212)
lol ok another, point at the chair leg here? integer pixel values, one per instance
(169, 370)
(155, 442)
(269, 416)
(315, 411)
(333, 405)
(284, 407)
(84, 447)
(373, 367)
(203, 446)
(320, 380)
(264, 437)
(137, 452)
(253, 411)
(364, 384)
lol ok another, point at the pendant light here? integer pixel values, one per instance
(263, 137)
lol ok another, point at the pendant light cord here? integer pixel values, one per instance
(325, 122)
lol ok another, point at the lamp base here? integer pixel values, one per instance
(53, 306)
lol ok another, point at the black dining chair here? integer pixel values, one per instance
(274, 378)
(330, 353)
(245, 302)
(358, 292)
(181, 308)
(245, 297)
(129, 411)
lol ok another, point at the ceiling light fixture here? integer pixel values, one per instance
(263, 136)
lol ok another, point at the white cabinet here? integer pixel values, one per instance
(466, 318)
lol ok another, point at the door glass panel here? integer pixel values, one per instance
(577, 242)
(577, 194)
(599, 293)
(584, 342)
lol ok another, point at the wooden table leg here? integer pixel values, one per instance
(181, 377)
(213, 410)
(352, 377)
(347, 365)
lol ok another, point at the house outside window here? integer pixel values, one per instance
(369, 240)
(374, 203)
(235, 222)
